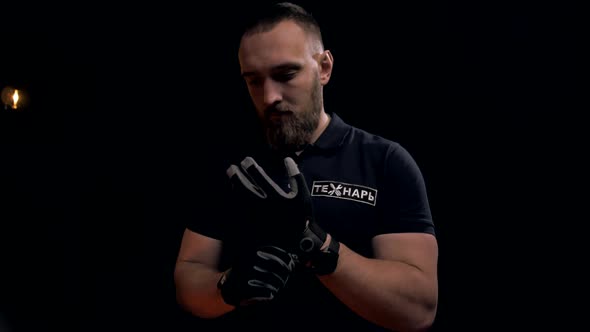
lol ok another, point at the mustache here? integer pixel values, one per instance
(274, 110)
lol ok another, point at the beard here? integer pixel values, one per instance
(294, 129)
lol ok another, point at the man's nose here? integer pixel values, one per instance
(272, 92)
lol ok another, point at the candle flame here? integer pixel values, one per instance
(15, 98)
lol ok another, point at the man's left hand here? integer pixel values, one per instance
(283, 218)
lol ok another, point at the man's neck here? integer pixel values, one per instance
(322, 125)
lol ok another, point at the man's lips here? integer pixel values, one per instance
(278, 115)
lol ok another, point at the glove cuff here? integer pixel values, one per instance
(321, 262)
(313, 238)
(223, 287)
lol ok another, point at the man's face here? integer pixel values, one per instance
(283, 81)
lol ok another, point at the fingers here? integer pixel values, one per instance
(267, 285)
(262, 180)
(275, 255)
(274, 266)
(291, 166)
(296, 178)
(240, 181)
(259, 276)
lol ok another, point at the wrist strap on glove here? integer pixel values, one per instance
(321, 262)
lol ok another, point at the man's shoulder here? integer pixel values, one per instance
(372, 141)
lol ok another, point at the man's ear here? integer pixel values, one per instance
(326, 63)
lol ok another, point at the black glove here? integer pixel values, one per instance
(285, 218)
(256, 277)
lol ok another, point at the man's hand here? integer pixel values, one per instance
(283, 218)
(257, 277)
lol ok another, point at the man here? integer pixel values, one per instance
(329, 226)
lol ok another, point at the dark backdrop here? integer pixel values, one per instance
(132, 107)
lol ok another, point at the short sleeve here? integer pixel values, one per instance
(404, 205)
(210, 206)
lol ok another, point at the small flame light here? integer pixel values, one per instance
(12, 98)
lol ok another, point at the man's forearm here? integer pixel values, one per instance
(197, 292)
(389, 293)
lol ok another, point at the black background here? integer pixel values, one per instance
(132, 107)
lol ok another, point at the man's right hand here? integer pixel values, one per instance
(257, 276)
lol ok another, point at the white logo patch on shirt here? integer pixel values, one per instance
(343, 190)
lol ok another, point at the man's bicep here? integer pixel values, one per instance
(417, 249)
(198, 248)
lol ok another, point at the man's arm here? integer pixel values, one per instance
(398, 289)
(196, 276)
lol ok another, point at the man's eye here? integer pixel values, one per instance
(254, 81)
(284, 77)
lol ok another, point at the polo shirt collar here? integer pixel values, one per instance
(333, 136)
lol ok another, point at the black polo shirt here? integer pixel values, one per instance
(362, 185)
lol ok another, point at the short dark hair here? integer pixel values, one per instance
(265, 18)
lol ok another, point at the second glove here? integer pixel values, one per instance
(283, 217)
(257, 276)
